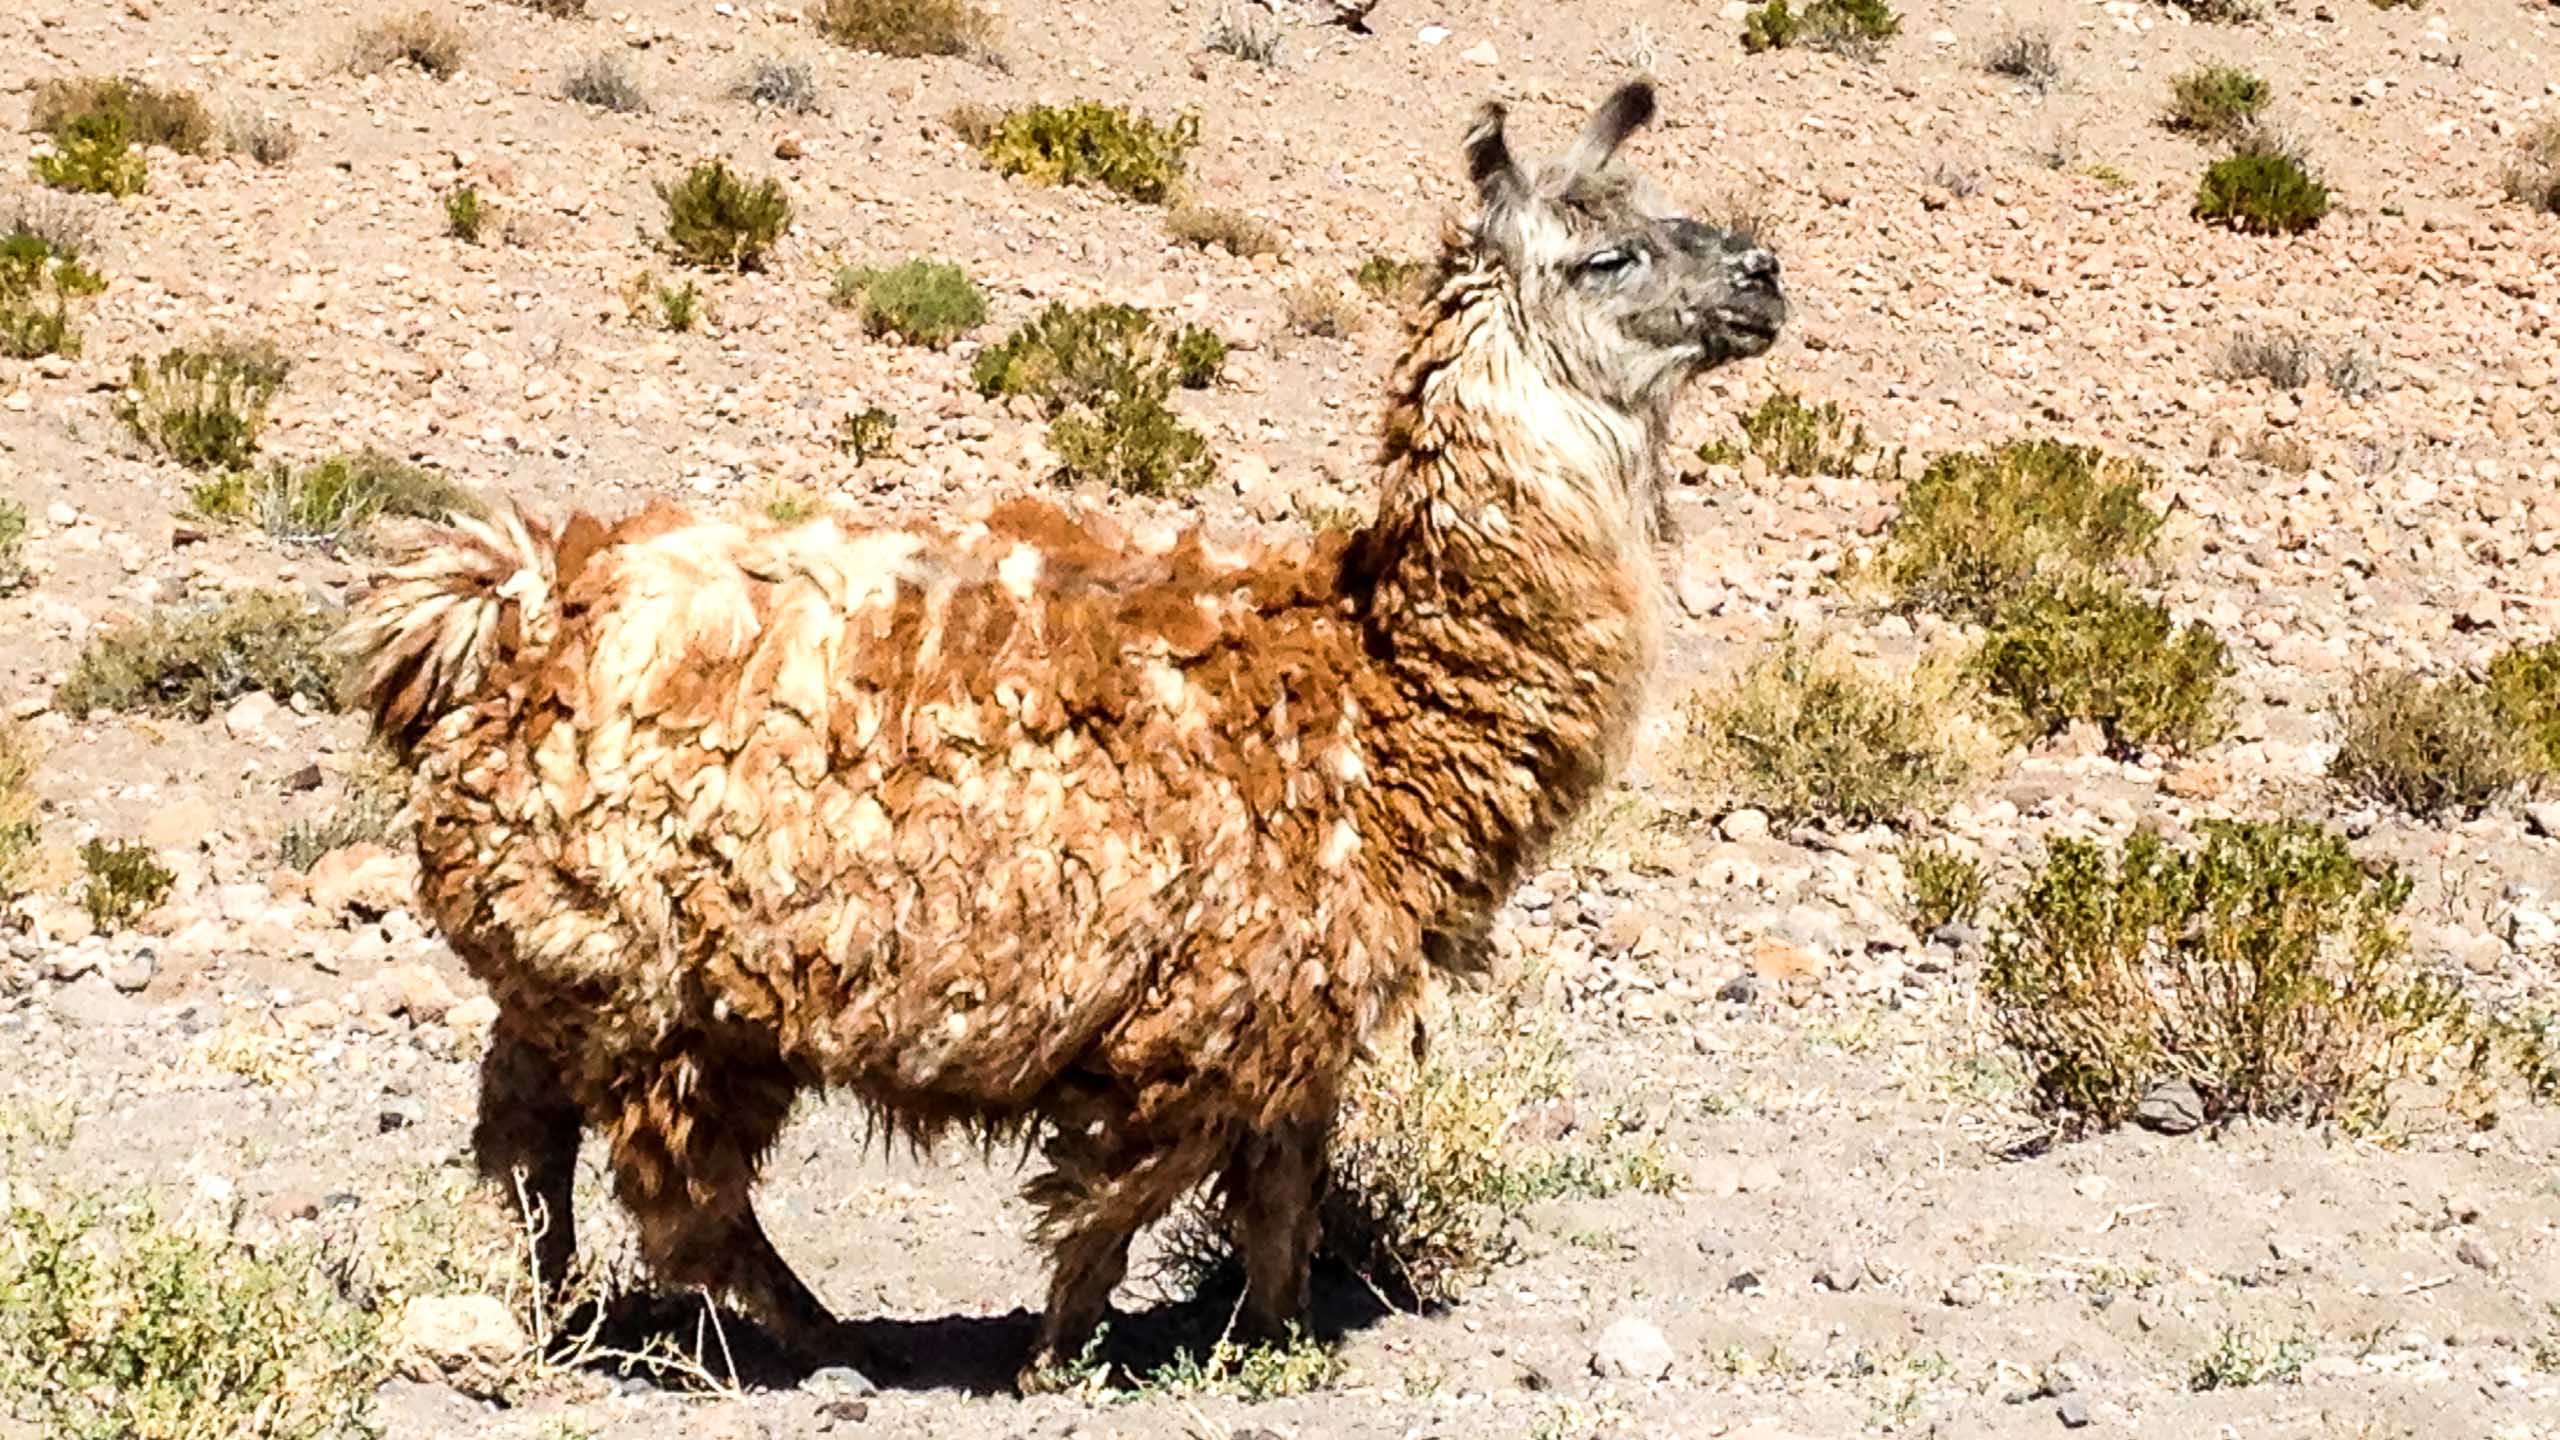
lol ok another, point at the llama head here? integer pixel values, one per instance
(1627, 297)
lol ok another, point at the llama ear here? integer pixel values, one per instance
(1626, 111)
(1497, 176)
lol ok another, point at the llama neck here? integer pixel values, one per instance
(1509, 593)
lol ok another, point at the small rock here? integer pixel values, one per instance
(472, 1017)
(365, 879)
(2172, 1108)
(1632, 1348)
(399, 1114)
(1481, 53)
(1843, 1270)
(2476, 1254)
(181, 825)
(788, 146)
(1742, 989)
(1744, 825)
(842, 1380)
(423, 993)
(2073, 1410)
(2542, 817)
(249, 716)
(132, 973)
(1745, 1283)
(468, 1341)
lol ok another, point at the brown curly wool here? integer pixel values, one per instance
(1023, 821)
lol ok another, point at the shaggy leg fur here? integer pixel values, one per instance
(528, 1128)
(1273, 1183)
(689, 1134)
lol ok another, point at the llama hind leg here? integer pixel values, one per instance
(1094, 1208)
(689, 1137)
(526, 1140)
(1274, 1183)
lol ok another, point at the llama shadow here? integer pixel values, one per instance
(681, 1342)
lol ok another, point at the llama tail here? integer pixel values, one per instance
(427, 638)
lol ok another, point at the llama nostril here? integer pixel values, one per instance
(1756, 264)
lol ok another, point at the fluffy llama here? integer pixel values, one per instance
(1020, 824)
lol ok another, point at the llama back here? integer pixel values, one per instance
(948, 812)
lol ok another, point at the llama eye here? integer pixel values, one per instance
(1608, 264)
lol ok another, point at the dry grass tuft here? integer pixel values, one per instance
(2027, 56)
(785, 85)
(2534, 177)
(18, 810)
(2221, 101)
(146, 114)
(422, 40)
(1808, 731)
(1206, 227)
(911, 29)
(192, 662)
(204, 405)
(1320, 311)
(605, 83)
(2431, 747)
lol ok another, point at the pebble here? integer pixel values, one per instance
(2542, 817)
(2072, 1408)
(468, 1341)
(1744, 825)
(132, 974)
(1632, 1348)
(2475, 1252)
(2172, 1107)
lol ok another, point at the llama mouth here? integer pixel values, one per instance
(1751, 328)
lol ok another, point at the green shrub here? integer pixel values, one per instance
(1091, 144)
(2263, 967)
(333, 500)
(2217, 100)
(2534, 178)
(2246, 1357)
(422, 40)
(1393, 277)
(204, 406)
(18, 838)
(2260, 189)
(13, 545)
(1978, 530)
(2092, 652)
(1206, 227)
(193, 662)
(120, 1327)
(464, 215)
(2430, 747)
(39, 284)
(93, 156)
(1845, 27)
(2524, 683)
(124, 883)
(867, 434)
(1793, 438)
(1946, 888)
(1808, 732)
(603, 83)
(906, 28)
(1102, 374)
(926, 302)
(146, 114)
(718, 221)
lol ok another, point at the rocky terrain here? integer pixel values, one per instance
(1858, 1229)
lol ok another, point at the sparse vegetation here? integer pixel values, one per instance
(1207, 227)
(907, 28)
(1251, 1373)
(422, 40)
(333, 500)
(190, 663)
(2093, 652)
(123, 883)
(1945, 887)
(1103, 375)
(1246, 34)
(18, 839)
(145, 114)
(93, 156)
(2223, 12)
(1088, 144)
(13, 547)
(39, 286)
(867, 434)
(2524, 683)
(557, 9)
(2027, 56)
(1809, 732)
(2249, 1357)
(1794, 438)
(2261, 188)
(1320, 311)
(204, 406)
(367, 813)
(117, 1326)
(2431, 747)
(464, 215)
(924, 302)
(2534, 177)
(1981, 529)
(2264, 967)
(606, 84)
(2280, 357)
(266, 140)
(1392, 277)
(785, 85)
(2220, 101)
(718, 221)
(679, 307)
(1857, 28)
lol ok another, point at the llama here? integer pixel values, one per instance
(1021, 824)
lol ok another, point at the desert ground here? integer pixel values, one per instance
(1852, 1218)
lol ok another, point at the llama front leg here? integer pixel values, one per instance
(688, 1139)
(526, 1140)
(1274, 1184)
(1096, 1200)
